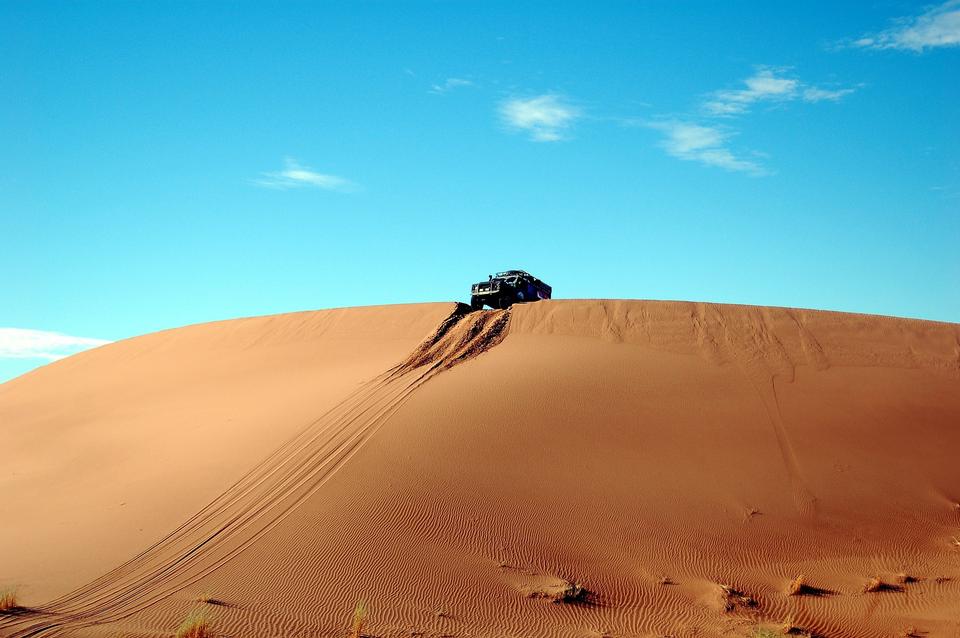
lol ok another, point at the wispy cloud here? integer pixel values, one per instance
(814, 94)
(294, 175)
(21, 343)
(449, 84)
(938, 27)
(699, 139)
(545, 118)
(947, 192)
(763, 85)
(705, 144)
(767, 84)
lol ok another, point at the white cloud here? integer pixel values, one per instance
(449, 84)
(545, 117)
(768, 85)
(815, 94)
(20, 343)
(704, 144)
(294, 175)
(938, 27)
(694, 141)
(763, 85)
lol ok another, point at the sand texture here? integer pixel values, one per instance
(565, 468)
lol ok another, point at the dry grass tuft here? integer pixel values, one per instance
(359, 616)
(195, 625)
(210, 599)
(8, 600)
(789, 628)
(563, 592)
(571, 593)
(797, 586)
(875, 585)
(732, 598)
(905, 579)
(785, 628)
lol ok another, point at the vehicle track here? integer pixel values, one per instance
(267, 494)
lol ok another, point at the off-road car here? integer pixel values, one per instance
(507, 288)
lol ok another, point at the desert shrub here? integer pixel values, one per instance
(359, 616)
(195, 625)
(797, 586)
(875, 584)
(904, 578)
(8, 599)
(563, 592)
(732, 598)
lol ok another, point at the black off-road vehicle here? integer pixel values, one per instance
(507, 288)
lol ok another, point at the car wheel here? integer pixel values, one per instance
(520, 296)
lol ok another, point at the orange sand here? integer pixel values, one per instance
(457, 471)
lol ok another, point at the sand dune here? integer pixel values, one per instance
(564, 468)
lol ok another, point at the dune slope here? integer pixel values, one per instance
(682, 463)
(108, 450)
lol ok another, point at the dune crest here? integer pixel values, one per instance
(535, 472)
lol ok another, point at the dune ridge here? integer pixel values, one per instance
(660, 455)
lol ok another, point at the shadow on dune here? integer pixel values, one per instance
(810, 590)
(19, 610)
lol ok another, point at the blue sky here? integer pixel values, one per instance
(170, 163)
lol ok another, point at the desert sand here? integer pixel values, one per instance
(565, 468)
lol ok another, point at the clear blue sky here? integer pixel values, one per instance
(166, 163)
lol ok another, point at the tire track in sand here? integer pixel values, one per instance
(268, 493)
(751, 343)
